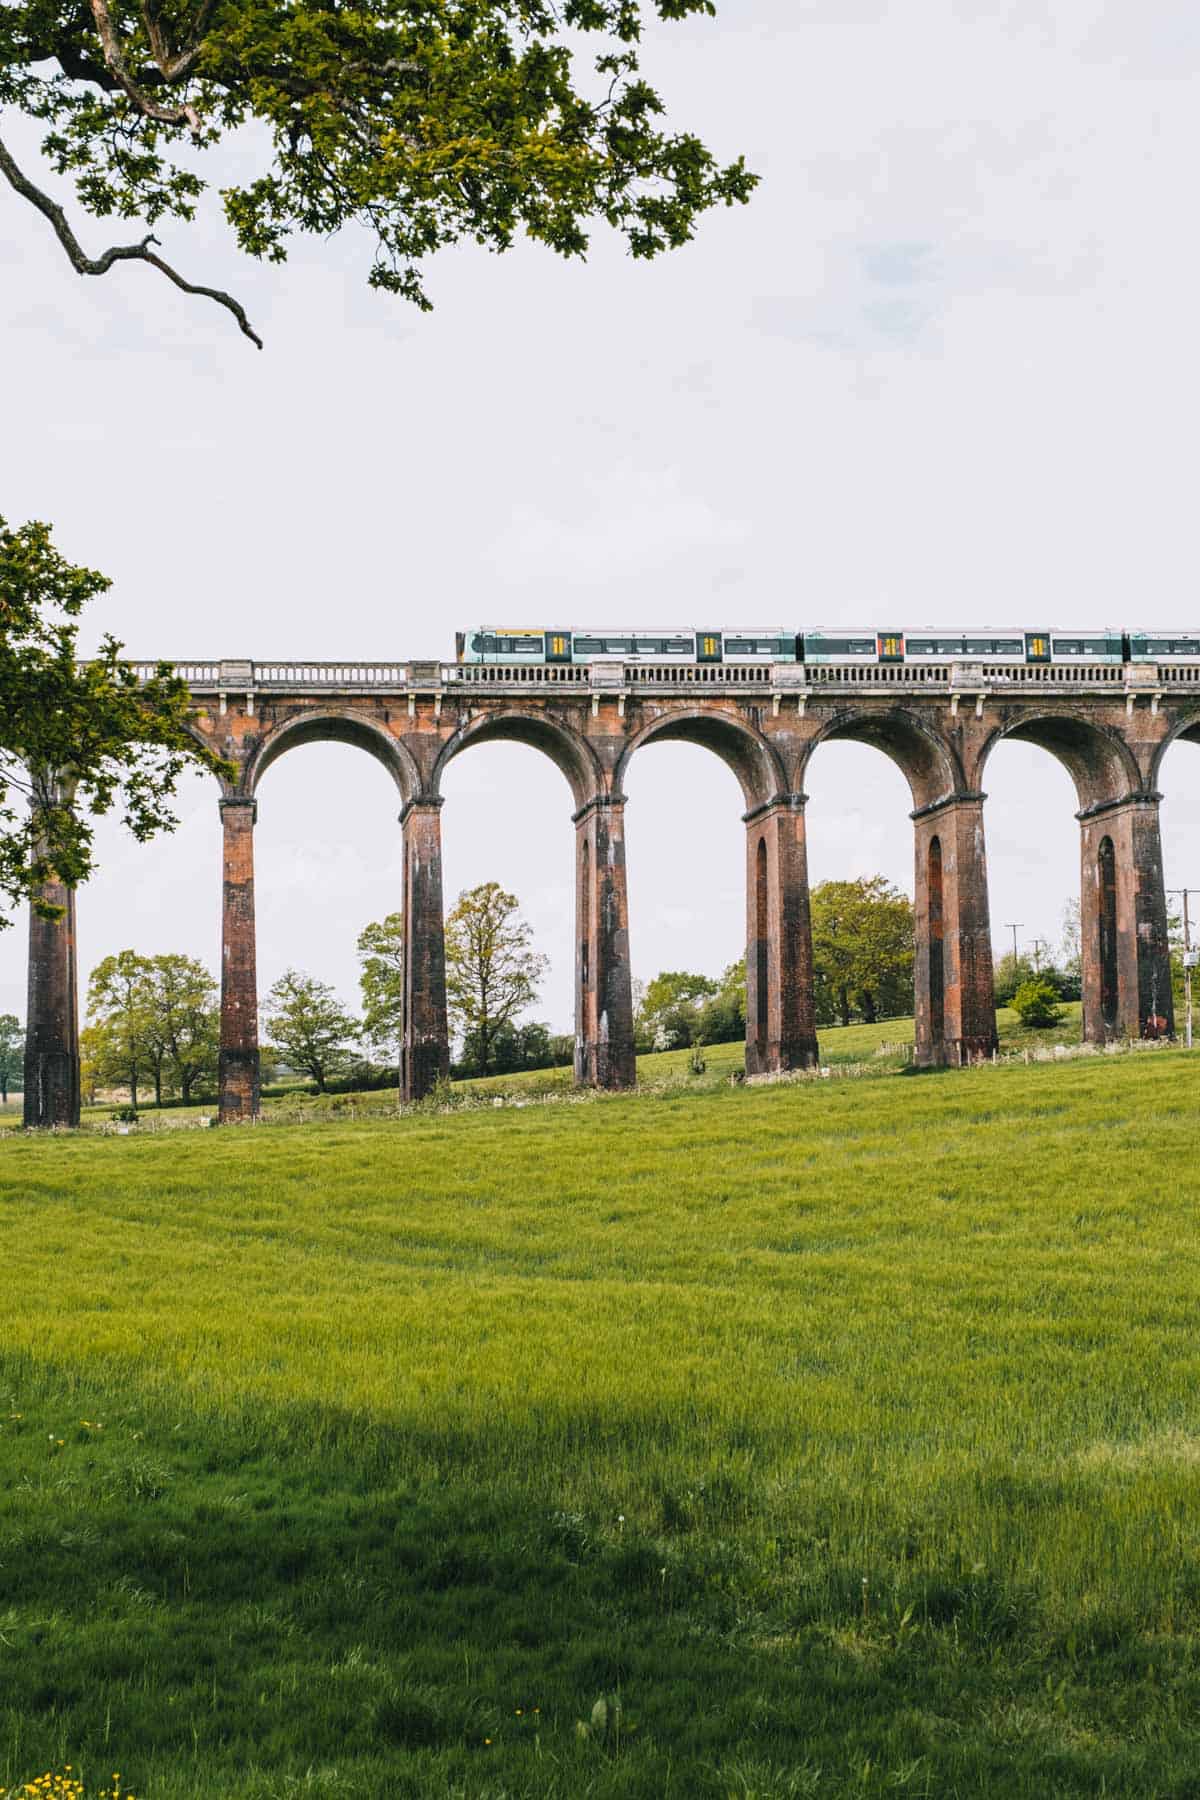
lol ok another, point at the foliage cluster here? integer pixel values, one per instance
(76, 738)
(355, 1448)
(493, 971)
(862, 933)
(153, 1022)
(428, 122)
(1036, 1003)
(12, 1054)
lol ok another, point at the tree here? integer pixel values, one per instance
(381, 980)
(91, 1062)
(430, 122)
(723, 1015)
(492, 970)
(309, 1027)
(12, 1049)
(513, 1047)
(1011, 972)
(1036, 1003)
(668, 1014)
(120, 1010)
(184, 1022)
(93, 733)
(862, 949)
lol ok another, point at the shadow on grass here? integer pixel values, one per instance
(293, 1600)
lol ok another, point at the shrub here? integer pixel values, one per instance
(1036, 1003)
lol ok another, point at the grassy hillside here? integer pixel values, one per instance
(885, 1047)
(850, 1432)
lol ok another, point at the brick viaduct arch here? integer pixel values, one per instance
(1110, 728)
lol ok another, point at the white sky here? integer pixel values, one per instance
(942, 370)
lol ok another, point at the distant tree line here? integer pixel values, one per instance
(153, 1022)
(862, 937)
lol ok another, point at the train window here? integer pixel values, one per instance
(519, 646)
(832, 646)
(1161, 646)
(1086, 646)
(993, 646)
(764, 646)
(477, 643)
(589, 646)
(935, 646)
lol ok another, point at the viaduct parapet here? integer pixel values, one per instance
(1108, 725)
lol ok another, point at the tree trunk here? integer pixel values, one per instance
(867, 1001)
(4, 1088)
(133, 1084)
(185, 1086)
(158, 1086)
(844, 1004)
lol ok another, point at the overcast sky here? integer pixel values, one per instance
(941, 370)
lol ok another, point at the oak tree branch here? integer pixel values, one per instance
(87, 265)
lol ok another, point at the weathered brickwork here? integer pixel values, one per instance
(425, 1044)
(52, 1033)
(1110, 741)
(238, 1073)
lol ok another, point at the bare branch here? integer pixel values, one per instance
(114, 57)
(87, 265)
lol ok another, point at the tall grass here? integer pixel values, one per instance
(849, 1433)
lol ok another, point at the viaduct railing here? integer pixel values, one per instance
(1108, 724)
(424, 677)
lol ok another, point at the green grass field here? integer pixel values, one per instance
(848, 1432)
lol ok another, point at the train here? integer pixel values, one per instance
(841, 644)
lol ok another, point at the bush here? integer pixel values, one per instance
(1036, 1003)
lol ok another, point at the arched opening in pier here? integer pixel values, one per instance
(937, 944)
(1033, 856)
(158, 898)
(697, 895)
(1177, 778)
(328, 861)
(507, 818)
(871, 927)
(859, 830)
(1040, 774)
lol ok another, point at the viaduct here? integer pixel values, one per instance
(1108, 725)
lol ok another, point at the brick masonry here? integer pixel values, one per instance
(1111, 742)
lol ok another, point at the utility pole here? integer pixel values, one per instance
(1014, 929)
(1189, 961)
(1039, 944)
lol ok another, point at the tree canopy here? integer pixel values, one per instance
(492, 970)
(72, 732)
(153, 1020)
(309, 1027)
(12, 1050)
(381, 982)
(862, 935)
(428, 122)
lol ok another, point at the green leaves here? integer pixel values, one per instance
(309, 1027)
(381, 979)
(429, 122)
(76, 739)
(492, 970)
